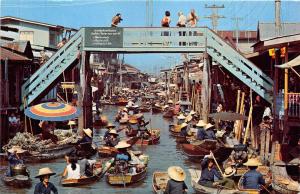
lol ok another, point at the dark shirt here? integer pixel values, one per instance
(183, 131)
(201, 133)
(210, 134)
(112, 142)
(253, 180)
(208, 175)
(85, 139)
(41, 189)
(13, 160)
(175, 187)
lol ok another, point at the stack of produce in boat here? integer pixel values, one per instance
(30, 142)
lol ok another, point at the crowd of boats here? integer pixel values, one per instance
(122, 165)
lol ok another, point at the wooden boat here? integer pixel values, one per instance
(20, 178)
(131, 133)
(197, 153)
(282, 182)
(154, 139)
(145, 108)
(105, 152)
(156, 109)
(19, 181)
(150, 141)
(121, 102)
(159, 181)
(126, 179)
(98, 172)
(195, 176)
(51, 153)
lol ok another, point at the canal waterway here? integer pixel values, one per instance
(166, 153)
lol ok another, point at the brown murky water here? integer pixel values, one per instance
(163, 155)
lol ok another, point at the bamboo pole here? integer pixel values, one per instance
(248, 125)
(238, 101)
(25, 115)
(239, 123)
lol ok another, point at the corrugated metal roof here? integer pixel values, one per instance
(267, 30)
(6, 54)
(19, 46)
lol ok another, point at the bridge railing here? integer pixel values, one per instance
(294, 105)
(164, 37)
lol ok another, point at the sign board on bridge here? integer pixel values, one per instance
(103, 37)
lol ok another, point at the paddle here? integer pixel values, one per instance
(216, 162)
(107, 169)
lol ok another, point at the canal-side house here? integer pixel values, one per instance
(270, 51)
(21, 43)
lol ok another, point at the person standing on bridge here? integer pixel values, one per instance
(116, 20)
(165, 22)
(192, 19)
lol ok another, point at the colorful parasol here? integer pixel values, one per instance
(52, 111)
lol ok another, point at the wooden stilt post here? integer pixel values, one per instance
(238, 101)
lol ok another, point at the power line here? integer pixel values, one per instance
(214, 17)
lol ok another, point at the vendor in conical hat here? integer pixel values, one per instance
(210, 131)
(176, 182)
(201, 133)
(87, 137)
(112, 139)
(181, 119)
(14, 158)
(45, 187)
(109, 127)
(253, 179)
(184, 129)
(123, 154)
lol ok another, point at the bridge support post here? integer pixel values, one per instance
(205, 93)
(85, 93)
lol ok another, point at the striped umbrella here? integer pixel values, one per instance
(52, 111)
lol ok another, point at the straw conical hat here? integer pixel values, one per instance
(176, 173)
(170, 102)
(192, 112)
(110, 125)
(209, 125)
(88, 132)
(113, 131)
(125, 109)
(253, 162)
(133, 121)
(45, 171)
(181, 117)
(183, 125)
(229, 171)
(17, 149)
(122, 144)
(201, 123)
(71, 122)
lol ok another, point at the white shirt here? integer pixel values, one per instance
(182, 20)
(267, 112)
(73, 174)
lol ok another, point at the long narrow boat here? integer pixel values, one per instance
(153, 140)
(195, 176)
(121, 102)
(126, 179)
(156, 109)
(51, 153)
(18, 181)
(196, 153)
(98, 172)
(105, 152)
(159, 181)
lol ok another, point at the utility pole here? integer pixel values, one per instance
(149, 13)
(214, 17)
(236, 20)
(277, 17)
